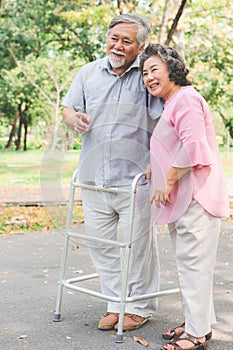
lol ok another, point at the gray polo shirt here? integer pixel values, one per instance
(123, 115)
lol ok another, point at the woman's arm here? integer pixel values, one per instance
(161, 195)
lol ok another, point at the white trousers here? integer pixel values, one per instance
(107, 216)
(195, 238)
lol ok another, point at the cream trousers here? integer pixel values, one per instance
(195, 238)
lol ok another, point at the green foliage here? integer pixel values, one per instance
(43, 44)
(209, 54)
(77, 144)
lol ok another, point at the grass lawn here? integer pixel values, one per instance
(29, 168)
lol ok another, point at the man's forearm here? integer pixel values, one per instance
(69, 117)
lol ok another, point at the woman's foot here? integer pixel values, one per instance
(174, 332)
(177, 331)
(186, 342)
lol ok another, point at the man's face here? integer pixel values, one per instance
(122, 46)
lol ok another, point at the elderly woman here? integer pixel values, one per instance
(188, 189)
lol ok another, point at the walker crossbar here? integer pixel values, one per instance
(96, 239)
(70, 283)
(100, 189)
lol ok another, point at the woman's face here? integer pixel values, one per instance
(156, 78)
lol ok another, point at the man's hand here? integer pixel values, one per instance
(76, 121)
(81, 123)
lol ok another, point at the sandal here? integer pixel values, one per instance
(172, 334)
(197, 345)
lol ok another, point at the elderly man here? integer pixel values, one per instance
(108, 104)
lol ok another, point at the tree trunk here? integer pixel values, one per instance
(180, 42)
(119, 6)
(175, 22)
(25, 123)
(163, 28)
(18, 141)
(12, 132)
(228, 124)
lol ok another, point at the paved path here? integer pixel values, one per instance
(30, 267)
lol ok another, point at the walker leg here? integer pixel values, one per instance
(56, 317)
(125, 273)
(119, 335)
(119, 338)
(57, 313)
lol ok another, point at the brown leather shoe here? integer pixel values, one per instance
(108, 321)
(132, 322)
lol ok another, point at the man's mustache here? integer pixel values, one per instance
(118, 52)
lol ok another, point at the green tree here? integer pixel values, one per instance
(204, 37)
(30, 30)
(209, 54)
(37, 96)
(38, 35)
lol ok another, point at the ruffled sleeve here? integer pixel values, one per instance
(193, 154)
(191, 119)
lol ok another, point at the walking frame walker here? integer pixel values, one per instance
(69, 283)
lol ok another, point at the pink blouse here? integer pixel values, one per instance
(185, 137)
